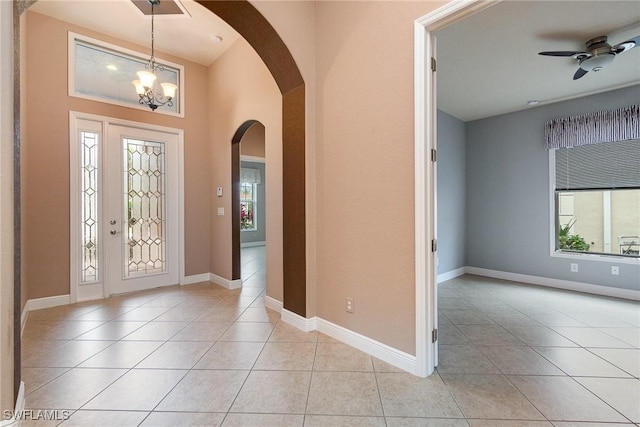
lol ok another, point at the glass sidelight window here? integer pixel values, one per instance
(90, 206)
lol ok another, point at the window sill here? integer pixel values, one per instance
(614, 259)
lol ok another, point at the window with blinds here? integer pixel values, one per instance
(597, 198)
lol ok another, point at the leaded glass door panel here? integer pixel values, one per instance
(142, 209)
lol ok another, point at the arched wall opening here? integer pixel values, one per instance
(246, 20)
(235, 196)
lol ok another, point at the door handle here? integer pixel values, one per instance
(113, 232)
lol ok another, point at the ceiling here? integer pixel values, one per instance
(488, 63)
(188, 35)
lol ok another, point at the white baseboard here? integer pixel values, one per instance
(253, 244)
(16, 419)
(450, 275)
(196, 278)
(557, 283)
(293, 319)
(225, 283)
(395, 357)
(47, 302)
(273, 304)
(370, 346)
(40, 303)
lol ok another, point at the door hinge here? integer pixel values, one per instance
(433, 154)
(434, 335)
(433, 64)
(434, 245)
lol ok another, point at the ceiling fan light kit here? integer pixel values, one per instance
(597, 56)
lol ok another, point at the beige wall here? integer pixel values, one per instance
(252, 143)
(241, 89)
(45, 156)
(365, 168)
(7, 400)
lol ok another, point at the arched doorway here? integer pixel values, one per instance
(235, 197)
(264, 39)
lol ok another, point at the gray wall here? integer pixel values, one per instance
(259, 235)
(451, 183)
(508, 202)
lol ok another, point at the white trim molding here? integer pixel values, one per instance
(195, 278)
(40, 303)
(302, 323)
(252, 159)
(225, 283)
(273, 304)
(608, 291)
(451, 274)
(370, 346)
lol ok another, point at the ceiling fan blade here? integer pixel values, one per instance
(626, 45)
(560, 53)
(581, 72)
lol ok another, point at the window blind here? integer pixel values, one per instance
(610, 165)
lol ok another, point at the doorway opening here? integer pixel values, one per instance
(249, 182)
(425, 174)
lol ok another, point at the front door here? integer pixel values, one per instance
(140, 220)
(125, 206)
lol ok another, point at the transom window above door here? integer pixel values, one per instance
(104, 72)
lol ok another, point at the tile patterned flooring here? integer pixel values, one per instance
(200, 355)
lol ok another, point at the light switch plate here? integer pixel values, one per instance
(219, 191)
(220, 211)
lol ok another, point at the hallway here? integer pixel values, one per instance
(200, 355)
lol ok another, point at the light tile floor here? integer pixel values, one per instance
(200, 355)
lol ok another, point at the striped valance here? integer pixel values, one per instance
(622, 124)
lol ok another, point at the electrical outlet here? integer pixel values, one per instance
(574, 267)
(614, 270)
(349, 305)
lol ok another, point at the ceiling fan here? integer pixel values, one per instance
(599, 54)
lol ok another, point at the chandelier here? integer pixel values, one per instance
(147, 87)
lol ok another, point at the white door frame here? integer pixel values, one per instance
(102, 291)
(425, 120)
